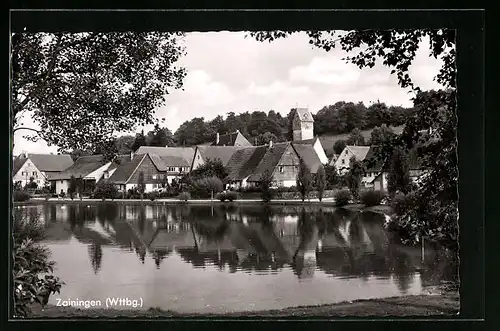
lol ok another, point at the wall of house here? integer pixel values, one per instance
(98, 173)
(342, 163)
(380, 184)
(62, 185)
(197, 160)
(320, 151)
(152, 175)
(288, 167)
(29, 170)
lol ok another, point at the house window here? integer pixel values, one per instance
(62, 181)
(282, 169)
(153, 177)
(343, 161)
(34, 173)
(345, 152)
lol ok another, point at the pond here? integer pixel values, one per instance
(215, 259)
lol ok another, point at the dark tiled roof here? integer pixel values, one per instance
(222, 153)
(187, 153)
(308, 155)
(18, 163)
(126, 170)
(51, 162)
(305, 142)
(359, 151)
(172, 161)
(232, 139)
(244, 161)
(269, 161)
(82, 167)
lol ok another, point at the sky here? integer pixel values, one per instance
(228, 72)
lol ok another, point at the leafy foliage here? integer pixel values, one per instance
(320, 182)
(32, 271)
(342, 198)
(229, 196)
(105, 190)
(381, 135)
(266, 181)
(72, 187)
(211, 168)
(354, 176)
(304, 180)
(20, 195)
(141, 185)
(204, 187)
(372, 198)
(184, 196)
(331, 176)
(356, 138)
(339, 146)
(398, 178)
(81, 88)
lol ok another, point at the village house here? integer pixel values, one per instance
(281, 160)
(342, 164)
(91, 169)
(160, 166)
(39, 167)
(231, 139)
(204, 153)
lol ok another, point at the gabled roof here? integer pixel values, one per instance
(232, 139)
(18, 163)
(244, 161)
(124, 171)
(269, 161)
(222, 153)
(304, 114)
(308, 155)
(359, 151)
(120, 159)
(83, 166)
(170, 154)
(49, 162)
(311, 141)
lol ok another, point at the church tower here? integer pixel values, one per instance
(303, 125)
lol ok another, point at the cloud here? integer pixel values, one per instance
(228, 72)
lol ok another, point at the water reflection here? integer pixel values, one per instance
(312, 244)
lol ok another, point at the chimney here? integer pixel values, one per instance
(25, 154)
(217, 138)
(270, 144)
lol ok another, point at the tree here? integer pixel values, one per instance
(398, 178)
(356, 138)
(378, 114)
(265, 138)
(124, 144)
(140, 140)
(161, 137)
(304, 180)
(331, 176)
(141, 186)
(266, 181)
(339, 146)
(354, 176)
(211, 168)
(381, 135)
(321, 182)
(81, 88)
(73, 186)
(194, 132)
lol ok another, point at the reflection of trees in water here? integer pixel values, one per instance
(159, 255)
(442, 266)
(142, 219)
(95, 253)
(211, 232)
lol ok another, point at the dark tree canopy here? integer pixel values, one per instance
(304, 180)
(83, 88)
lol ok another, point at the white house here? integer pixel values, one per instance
(343, 161)
(39, 167)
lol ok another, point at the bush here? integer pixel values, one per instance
(229, 196)
(105, 190)
(372, 198)
(32, 269)
(184, 196)
(342, 198)
(203, 187)
(20, 195)
(401, 202)
(152, 196)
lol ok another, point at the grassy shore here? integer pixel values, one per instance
(414, 305)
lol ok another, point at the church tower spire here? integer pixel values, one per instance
(303, 125)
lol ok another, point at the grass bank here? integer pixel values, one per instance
(414, 305)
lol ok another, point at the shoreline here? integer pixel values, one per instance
(444, 304)
(283, 202)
